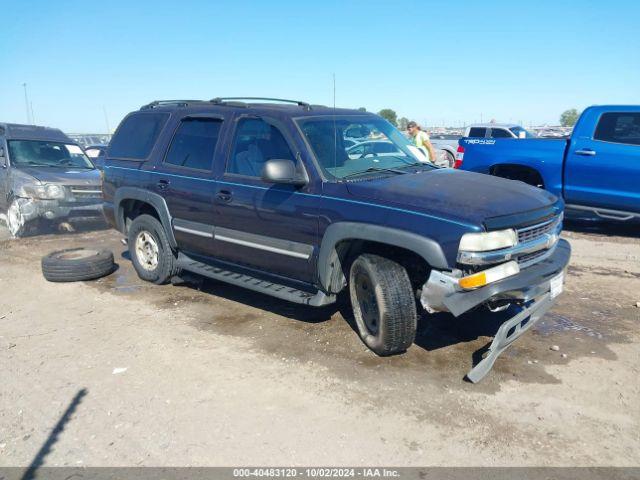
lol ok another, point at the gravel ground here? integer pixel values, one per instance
(214, 375)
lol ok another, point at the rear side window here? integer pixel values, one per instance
(194, 143)
(499, 133)
(619, 128)
(136, 135)
(477, 132)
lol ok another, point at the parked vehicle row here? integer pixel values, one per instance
(270, 197)
(596, 171)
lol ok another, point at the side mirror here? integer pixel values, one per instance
(283, 171)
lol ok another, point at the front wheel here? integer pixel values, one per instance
(383, 304)
(150, 250)
(16, 223)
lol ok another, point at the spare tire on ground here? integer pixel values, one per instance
(77, 264)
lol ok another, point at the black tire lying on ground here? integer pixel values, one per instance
(77, 264)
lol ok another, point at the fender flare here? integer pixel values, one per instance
(153, 199)
(330, 273)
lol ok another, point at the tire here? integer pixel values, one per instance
(150, 251)
(16, 224)
(383, 303)
(77, 264)
(451, 159)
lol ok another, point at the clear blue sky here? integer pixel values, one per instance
(433, 61)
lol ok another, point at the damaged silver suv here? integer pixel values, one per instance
(45, 177)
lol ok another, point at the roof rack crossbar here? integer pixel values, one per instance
(160, 103)
(283, 100)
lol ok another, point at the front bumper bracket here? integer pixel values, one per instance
(508, 332)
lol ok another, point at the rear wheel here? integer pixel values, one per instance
(383, 304)
(450, 159)
(150, 251)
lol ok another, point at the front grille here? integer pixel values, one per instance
(86, 191)
(528, 258)
(534, 232)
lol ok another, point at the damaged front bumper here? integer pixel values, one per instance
(61, 210)
(533, 289)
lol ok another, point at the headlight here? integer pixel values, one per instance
(46, 191)
(486, 241)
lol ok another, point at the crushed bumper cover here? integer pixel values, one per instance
(31, 209)
(531, 289)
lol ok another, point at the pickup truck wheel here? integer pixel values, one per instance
(383, 304)
(150, 250)
(450, 159)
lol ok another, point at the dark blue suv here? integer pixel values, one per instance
(267, 194)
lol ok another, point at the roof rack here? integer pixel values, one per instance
(220, 100)
(162, 103)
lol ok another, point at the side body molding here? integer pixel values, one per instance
(330, 274)
(153, 199)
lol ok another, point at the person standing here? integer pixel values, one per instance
(421, 140)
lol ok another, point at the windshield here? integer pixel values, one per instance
(39, 153)
(519, 132)
(349, 146)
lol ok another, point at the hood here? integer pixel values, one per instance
(455, 194)
(63, 176)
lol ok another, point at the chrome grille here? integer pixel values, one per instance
(86, 191)
(534, 232)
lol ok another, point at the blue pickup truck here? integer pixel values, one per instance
(268, 196)
(596, 171)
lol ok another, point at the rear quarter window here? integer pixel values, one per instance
(136, 135)
(477, 132)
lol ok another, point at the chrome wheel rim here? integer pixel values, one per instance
(14, 218)
(147, 251)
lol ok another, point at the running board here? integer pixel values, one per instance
(283, 292)
(605, 213)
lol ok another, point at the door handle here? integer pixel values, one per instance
(163, 184)
(224, 195)
(587, 152)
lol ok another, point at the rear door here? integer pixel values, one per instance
(185, 181)
(603, 169)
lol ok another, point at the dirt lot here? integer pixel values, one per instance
(214, 375)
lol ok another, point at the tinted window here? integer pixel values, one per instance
(194, 143)
(477, 132)
(136, 135)
(619, 128)
(256, 142)
(500, 133)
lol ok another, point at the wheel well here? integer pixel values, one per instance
(518, 172)
(348, 250)
(131, 209)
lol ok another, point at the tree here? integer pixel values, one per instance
(389, 115)
(402, 123)
(569, 117)
(362, 109)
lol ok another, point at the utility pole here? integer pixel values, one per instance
(106, 119)
(26, 104)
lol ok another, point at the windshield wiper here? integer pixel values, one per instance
(373, 169)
